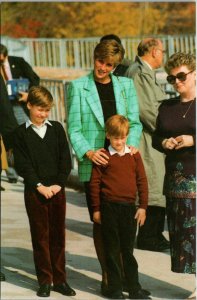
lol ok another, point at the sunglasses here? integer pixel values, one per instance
(180, 76)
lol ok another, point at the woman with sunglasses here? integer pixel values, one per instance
(175, 136)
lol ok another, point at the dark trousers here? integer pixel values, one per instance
(88, 199)
(119, 230)
(151, 232)
(47, 226)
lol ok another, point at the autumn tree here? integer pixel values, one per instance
(90, 19)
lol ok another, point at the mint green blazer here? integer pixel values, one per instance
(86, 126)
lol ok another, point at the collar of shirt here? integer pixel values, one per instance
(40, 130)
(112, 151)
(29, 123)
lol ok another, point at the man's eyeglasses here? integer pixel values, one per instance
(163, 51)
(180, 76)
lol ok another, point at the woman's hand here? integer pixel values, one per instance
(133, 150)
(170, 143)
(98, 157)
(184, 141)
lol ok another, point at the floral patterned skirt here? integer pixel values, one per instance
(181, 217)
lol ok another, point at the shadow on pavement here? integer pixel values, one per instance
(17, 264)
(84, 228)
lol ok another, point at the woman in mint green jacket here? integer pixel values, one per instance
(91, 100)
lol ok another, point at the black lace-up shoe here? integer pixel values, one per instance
(44, 290)
(64, 289)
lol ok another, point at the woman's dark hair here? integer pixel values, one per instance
(109, 49)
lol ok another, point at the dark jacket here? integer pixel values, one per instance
(7, 119)
(20, 68)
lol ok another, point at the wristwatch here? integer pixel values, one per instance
(38, 184)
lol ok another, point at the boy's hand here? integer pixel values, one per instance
(140, 216)
(45, 191)
(97, 217)
(55, 188)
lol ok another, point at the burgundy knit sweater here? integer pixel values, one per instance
(119, 181)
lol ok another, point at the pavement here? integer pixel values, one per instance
(83, 270)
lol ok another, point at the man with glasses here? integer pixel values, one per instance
(149, 57)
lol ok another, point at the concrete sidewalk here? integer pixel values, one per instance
(82, 266)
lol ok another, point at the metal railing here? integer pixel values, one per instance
(78, 53)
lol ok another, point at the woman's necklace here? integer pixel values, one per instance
(183, 116)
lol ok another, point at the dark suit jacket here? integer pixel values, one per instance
(20, 68)
(7, 119)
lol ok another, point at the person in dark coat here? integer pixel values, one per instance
(14, 67)
(7, 125)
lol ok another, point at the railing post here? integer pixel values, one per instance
(76, 55)
(170, 45)
(62, 51)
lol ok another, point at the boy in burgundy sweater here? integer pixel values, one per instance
(113, 191)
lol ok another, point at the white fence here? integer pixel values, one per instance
(78, 53)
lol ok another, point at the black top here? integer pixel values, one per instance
(21, 69)
(107, 98)
(170, 123)
(44, 160)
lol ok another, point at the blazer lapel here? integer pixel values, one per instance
(120, 96)
(93, 100)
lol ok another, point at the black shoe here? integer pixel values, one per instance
(12, 180)
(157, 246)
(44, 290)
(2, 277)
(163, 246)
(126, 289)
(111, 295)
(115, 295)
(146, 292)
(2, 188)
(138, 295)
(64, 289)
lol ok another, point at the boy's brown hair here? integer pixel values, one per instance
(40, 96)
(117, 125)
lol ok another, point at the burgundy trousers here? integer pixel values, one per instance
(47, 226)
